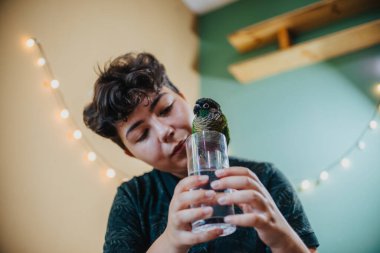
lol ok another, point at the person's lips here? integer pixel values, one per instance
(179, 147)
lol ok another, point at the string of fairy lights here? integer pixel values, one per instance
(93, 156)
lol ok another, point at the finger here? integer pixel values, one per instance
(236, 182)
(255, 219)
(186, 216)
(190, 182)
(185, 199)
(236, 171)
(195, 238)
(250, 197)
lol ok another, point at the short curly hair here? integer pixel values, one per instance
(121, 86)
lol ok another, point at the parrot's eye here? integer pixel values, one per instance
(206, 106)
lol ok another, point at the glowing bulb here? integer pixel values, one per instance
(345, 162)
(54, 84)
(378, 88)
(111, 173)
(77, 134)
(64, 114)
(91, 156)
(305, 184)
(361, 145)
(30, 42)
(373, 124)
(324, 175)
(41, 61)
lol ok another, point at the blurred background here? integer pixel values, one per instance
(313, 120)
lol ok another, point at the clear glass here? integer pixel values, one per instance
(206, 152)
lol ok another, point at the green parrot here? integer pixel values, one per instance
(208, 116)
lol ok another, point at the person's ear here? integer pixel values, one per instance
(128, 153)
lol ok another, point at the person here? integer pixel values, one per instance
(136, 106)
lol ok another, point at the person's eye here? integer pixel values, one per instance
(167, 110)
(143, 136)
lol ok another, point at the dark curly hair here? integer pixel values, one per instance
(121, 86)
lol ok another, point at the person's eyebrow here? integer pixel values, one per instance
(155, 101)
(151, 109)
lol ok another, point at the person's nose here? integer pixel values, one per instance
(165, 132)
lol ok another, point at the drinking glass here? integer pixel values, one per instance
(207, 152)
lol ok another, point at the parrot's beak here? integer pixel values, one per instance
(196, 109)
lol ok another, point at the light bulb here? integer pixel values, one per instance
(64, 114)
(111, 173)
(91, 156)
(324, 175)
(30, 42)
(41, 61)
(373, 124)
(361, 145)
(77, 134)
(305, 184)
(54, 84)
(378, 88)
(345, 162)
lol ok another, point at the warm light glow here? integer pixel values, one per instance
(30, 42)
(373, 124)
(324, 175)
(54, 84)
(345, 162)
(91, 156)
(65, 114)
(378, 88)
(125, 179)
(41, 61)
(361, 145)
(305, 184)
(77, 134)
(111, 173)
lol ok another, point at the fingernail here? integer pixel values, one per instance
(222, 200)
(219, 172)
(210, 194)
(227, 219)
(203, 178)
(215, 184)
(207, 209)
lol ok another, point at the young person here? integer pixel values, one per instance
(136, 106)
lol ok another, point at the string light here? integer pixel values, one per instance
(305, 185)
(361, 145)
(65, 114)
(345, 163)
(54, 84)
(373, 124)
(378, 88)
(324, 175)
(77, 134)
(111, 173)
(41, 61)
(91, 156)
(30, 42)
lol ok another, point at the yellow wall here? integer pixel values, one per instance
(51, 198)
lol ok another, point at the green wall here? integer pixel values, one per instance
(303, 121)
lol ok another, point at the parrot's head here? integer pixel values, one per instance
(204, 106)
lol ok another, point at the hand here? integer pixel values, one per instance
(259, 209)
(178, 231)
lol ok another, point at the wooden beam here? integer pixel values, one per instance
(283, 38)
(320, 49)
(298, 21)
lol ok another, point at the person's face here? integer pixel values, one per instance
(155, 132)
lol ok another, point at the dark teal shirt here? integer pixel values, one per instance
(140, 210)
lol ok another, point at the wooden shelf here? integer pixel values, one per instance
(298, 21)
(323, 48)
